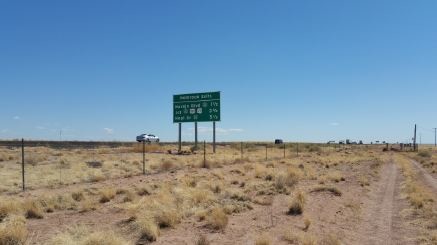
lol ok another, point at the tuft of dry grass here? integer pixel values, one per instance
(8, 207)
(331, 189)
(96, 176)
(263, 239)
(336, 176)
(202, 240)
(217, 219)
(297, 205)
(307, 224)
(82, 235)
(13, 231)
(87, 205)
(33, 209)
(260, 171)
(77, 196)
(34, 159)
(149, 230)
(107, 194)
(264, 200)
(167, 165)
(129, 196)
(329, 239)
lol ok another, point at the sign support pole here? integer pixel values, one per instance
(180, 138)
(213, 137)
(195, 135)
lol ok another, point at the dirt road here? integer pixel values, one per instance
(378, 221)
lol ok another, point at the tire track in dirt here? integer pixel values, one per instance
(377, 225)
(425, 176)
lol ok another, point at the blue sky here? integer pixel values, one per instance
(297, 70)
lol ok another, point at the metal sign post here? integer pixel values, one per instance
(213, 137)
(195, 135)
(180, 138)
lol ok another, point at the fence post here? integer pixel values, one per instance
(144, 157)
(204, 154)
(241, 147)
(22, 162)
(284, 150)
(266, 152)
(297, 149)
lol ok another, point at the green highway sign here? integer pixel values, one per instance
(199, 107)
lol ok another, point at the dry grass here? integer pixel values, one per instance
(263, 200)
(217, 219)
(167, 165)
(32, 209)
(260, 171)
(202, 240)
(288, 179)
(8, 207)
(158, 203)
(329, 239)
(336, 176)
(263, 239)
(334, 190)
(138, 148)
(107, 194)
(301, 238)
(307, 224)
(77, 196)
(149, 230)
(82, 235)
(13, 231)
(297, 205)
(417, 194)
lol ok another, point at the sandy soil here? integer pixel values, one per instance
(373, 213)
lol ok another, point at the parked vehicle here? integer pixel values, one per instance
(341, 142)
(278, 141)
(147, 138)
(331, 142)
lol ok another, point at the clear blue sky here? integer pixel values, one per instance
(297, 70)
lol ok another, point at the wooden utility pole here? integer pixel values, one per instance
(435, 137)
(414, 139)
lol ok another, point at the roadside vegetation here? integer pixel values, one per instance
(178, 189)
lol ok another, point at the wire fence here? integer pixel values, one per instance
(53, 166)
